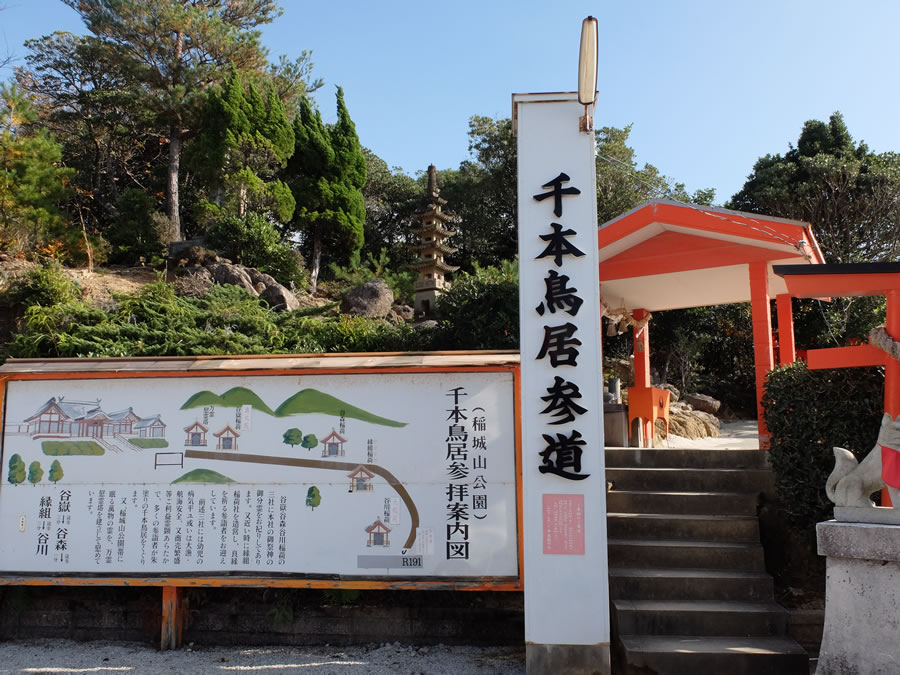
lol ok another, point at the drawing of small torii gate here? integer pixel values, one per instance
(322, 464)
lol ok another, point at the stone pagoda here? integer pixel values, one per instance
(431, 247)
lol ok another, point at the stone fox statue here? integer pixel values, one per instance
(852, 482)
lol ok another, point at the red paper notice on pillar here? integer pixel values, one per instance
(564, 524)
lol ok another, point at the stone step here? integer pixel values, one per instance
(689, 502)
(712, 618)
(682, 526)
(689, 584)
(678, 655)
(726, 480)
(686, 458)
(646, 553)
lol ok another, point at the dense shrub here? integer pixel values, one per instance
(343, 279)
(226, 320)
(45, 285)
(809, 412)
(253, 241)
(151, 322)
(481, 310)
(352, 334)
(136, 234)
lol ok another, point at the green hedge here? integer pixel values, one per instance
(54, 448)
(149, 443)
(808, 412)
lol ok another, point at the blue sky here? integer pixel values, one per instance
(708, 85)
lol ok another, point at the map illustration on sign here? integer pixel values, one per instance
(262, 475)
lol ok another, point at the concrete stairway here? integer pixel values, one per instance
(688, 585)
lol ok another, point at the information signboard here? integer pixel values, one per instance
(351, 475)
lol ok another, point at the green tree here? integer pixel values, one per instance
(313, 498)
(253, 240)
(56, 471)
(481, 193)
(35, 473)
(138, 230)
(481, 310)
(391, 198)
(326, 174)
(16, 469)
(293, 437)
(32, 182)
(244, 142)
(309, 442)
(87, 99)
(177, 49)
(622, 185)
(850, 196)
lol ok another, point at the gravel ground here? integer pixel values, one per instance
(39, 656)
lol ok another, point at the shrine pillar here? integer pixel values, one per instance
(641, 342)
(762, 340)
(787, 351)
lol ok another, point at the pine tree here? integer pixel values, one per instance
(326, 175)
(177, 50)
(31, 181)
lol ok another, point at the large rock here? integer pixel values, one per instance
(224, 273)
(702, 402)
(373, 299)
(258, 277)
(674, 392)
(689, 423)
(280, 298)
(405, 312)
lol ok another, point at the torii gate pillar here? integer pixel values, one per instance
(762, 340)
(848, 280)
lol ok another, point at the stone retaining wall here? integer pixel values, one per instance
(266, 616)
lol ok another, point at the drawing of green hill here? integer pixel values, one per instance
(314, 401)
(233, 398)
(203, 476)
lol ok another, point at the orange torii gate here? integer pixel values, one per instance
(671, 255)
(859, 279)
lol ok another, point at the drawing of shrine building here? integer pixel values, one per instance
(227, 438)
(150, 427)
(333, 445)
(361, 480)
(59, 418)
(379, 534)
(196, 435)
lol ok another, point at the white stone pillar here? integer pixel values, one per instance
(564, 483)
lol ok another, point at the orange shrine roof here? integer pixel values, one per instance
(669, 255)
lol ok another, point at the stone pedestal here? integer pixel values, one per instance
(862, 598)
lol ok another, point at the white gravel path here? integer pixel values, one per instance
(40, 656)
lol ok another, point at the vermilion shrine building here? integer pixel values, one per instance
(670, 255)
